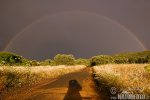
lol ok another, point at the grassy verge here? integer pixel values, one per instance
(126, 78)
(15, 77)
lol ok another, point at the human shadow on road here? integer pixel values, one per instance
(73, 91)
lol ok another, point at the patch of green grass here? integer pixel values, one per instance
(147, 68)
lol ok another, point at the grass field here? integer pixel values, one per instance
(126, 78)
(15, 77)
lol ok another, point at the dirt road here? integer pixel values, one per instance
(73, 86)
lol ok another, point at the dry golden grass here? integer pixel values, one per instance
(14, 77)
(132, 78)
(48, 71)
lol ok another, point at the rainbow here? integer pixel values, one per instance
(78, 12)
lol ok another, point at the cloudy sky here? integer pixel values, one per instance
(40, 29)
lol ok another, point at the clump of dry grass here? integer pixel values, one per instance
(14, 77)
(133, 78)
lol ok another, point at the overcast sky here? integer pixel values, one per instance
(39, 29)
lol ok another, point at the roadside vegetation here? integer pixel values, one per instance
(15, 77)
(10, 59)
(124, 58)
(126, 78)
(16, 71)
(121, 70)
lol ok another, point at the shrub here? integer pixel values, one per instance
(82, 61)
(34, 63)
(26, 62)
(120, 60)
(138, 59)
(130, 59)
(9, 59)
(147, 68)
(133, 60)
(48, 62)
(148, 59)
(64, 59)
(135, 57)
(102, 59)
(142, 60)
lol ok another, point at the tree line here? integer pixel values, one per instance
(11, 59)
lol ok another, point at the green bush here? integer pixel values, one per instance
(130, 59)
(101, 59)
(148, 58)
(34, 63)
(138, 59)
(147, 68)
(133, 60)
(120, 60)
(142, 60)
(64, 59)
(135, 57)
(26, 62)
(9, 59)
(48, 62)
(82, 61)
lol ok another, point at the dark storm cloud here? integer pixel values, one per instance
(15, 15)
(80, 33)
